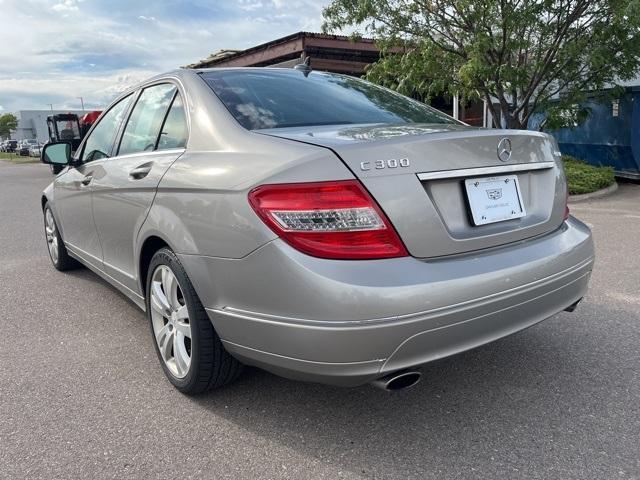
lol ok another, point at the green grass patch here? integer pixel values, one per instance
(585, 178)
(13, 158)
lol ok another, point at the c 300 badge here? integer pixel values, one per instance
(381, 164)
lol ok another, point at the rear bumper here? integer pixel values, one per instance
(347, 323)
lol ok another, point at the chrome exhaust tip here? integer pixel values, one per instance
(398, 380)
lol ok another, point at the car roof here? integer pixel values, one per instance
(251, 69)
(184, 73)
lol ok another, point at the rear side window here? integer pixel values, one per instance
(174, 130)
(143, 126)
(100, 141)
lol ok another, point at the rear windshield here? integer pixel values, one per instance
(262, 99)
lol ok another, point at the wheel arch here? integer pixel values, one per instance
(47, 199)
(151, 244)
(47, 196)
(162, 227)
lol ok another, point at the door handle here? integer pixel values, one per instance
(140, 172)
(86, 180)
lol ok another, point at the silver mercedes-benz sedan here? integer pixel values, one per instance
(314, 225)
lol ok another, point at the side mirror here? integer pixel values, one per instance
(57, 153)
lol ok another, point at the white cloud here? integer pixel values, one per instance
(63, 90)
(63, 49)
(250, 5)
(65, 6)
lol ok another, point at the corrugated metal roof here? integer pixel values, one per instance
(224, 55)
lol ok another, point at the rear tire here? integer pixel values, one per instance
(190, 352)
(57, 251)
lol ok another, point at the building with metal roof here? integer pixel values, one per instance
(332, 53)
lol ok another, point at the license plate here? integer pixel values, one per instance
(494, 199)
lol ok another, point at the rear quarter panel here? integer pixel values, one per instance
(201, 206)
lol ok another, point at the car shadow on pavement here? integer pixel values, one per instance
(500, 403)
(85, 274)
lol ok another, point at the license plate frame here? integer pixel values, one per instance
(494, 199)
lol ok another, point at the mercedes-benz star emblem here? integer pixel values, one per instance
(504, 150)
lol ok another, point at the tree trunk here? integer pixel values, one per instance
(512, 121)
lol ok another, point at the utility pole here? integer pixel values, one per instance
(81, 103)
(51, 106)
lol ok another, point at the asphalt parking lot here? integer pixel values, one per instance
(82, 394)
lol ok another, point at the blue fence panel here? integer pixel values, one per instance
(605, 139)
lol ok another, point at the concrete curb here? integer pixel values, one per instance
(597, 194)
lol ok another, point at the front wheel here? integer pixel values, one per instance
(189, 350)
(57, 251)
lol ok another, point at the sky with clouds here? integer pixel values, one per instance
(53, 51)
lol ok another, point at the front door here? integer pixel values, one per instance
(73, 189)
(72, 193)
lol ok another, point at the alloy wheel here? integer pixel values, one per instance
(170, 319)
(52, 235)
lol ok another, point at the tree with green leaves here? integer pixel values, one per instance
(8, 122)
(521, 56)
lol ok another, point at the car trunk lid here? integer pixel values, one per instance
(417, 174)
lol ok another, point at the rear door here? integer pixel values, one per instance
(154, 136)
(74, 187)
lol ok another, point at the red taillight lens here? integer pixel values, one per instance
(336, 220)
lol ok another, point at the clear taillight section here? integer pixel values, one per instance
(342, 220)
(336, 220)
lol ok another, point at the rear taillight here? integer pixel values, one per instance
(336, 220)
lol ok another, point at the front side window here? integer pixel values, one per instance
(143, 126)
(277, 98)
(100, 141)
(174, 131)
